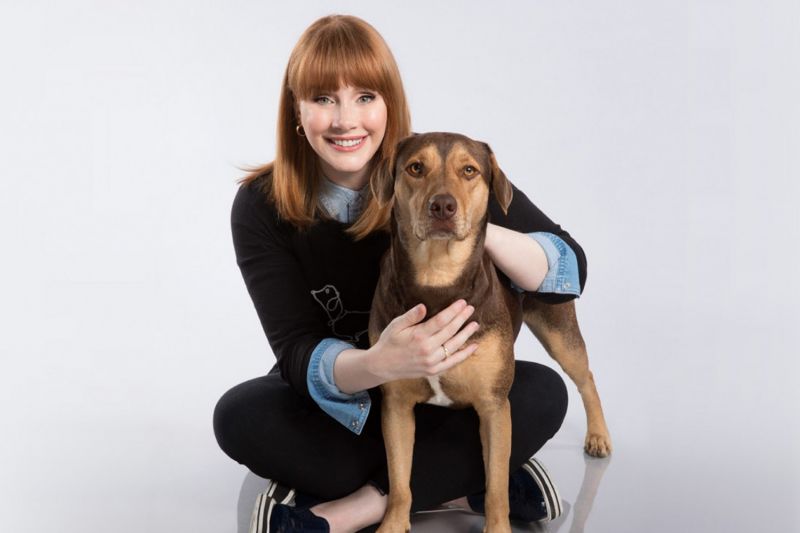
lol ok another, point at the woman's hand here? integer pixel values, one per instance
(408, 349)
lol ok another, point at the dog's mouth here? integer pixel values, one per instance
(437, 229)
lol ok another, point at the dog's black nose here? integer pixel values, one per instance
(443, 206)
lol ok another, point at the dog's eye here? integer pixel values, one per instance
(470, 171)
(415, 168)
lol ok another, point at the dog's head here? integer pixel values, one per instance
(440, 183)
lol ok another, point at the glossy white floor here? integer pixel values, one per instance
(702, 444)
(662, 135)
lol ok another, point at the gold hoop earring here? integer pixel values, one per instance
(300, 131)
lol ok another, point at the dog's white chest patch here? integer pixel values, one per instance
(439, 397)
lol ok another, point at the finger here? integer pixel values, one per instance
(410, 317)
(444, 317)
(458, 340)
(450, 329)
(453, 343)
(454, 359)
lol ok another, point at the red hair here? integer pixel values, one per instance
(335, 51)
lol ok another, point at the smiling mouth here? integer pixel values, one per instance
(347, 143)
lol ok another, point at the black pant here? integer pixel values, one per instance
(266, 426)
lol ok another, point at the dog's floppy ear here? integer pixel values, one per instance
(382, 184)
(499, 183)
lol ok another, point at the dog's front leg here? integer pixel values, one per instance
(495, 422)
(397, 418)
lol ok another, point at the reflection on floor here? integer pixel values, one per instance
(572, 520)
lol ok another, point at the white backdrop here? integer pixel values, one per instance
(662, 135)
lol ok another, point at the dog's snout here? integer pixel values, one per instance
(443, 206)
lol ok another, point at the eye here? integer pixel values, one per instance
(322, 99)
(470, 171)
(415, 169)
(366, 98)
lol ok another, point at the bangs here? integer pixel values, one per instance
(337, 58)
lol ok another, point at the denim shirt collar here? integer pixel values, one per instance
(341, 203)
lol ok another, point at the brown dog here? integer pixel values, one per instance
(439, 218)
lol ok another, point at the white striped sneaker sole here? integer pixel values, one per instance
(262, 510)
(279, 493)
(552, 499)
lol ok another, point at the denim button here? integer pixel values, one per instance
(354, 424)
(567, 284)
(362, 406)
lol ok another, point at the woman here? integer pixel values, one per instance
(309, 234)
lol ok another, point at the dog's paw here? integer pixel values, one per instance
(597, 444)
(394, 527)
(499, 527)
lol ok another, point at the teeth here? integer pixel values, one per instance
(348, 143)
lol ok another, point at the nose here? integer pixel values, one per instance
(345, 117)
(443, 206)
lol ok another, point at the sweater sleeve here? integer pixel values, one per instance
(293, 323)
(562, 266)
(350, 410)
(523, 216)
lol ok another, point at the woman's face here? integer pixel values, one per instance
(345, 128)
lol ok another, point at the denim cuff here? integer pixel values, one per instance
(350, 410)
(562, 266)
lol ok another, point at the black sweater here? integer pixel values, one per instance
(299, 280)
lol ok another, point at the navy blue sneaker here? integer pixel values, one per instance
(270, 516)
(287, 496)
(280, 508)
(278, 492)
(532, 495)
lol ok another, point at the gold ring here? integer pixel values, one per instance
(446, 353)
